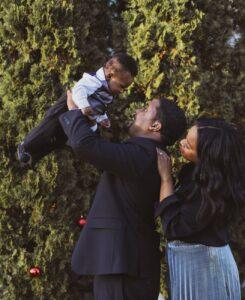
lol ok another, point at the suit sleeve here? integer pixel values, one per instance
(178, 217)
(122, 159)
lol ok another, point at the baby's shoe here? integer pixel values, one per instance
(23, 156)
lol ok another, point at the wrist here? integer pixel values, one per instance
(167, 179)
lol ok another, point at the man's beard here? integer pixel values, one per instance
(133, 129)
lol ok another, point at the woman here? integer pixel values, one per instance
(195, 217)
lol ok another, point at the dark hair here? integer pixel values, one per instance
(219, 172)
(173, 121)
(127, 62)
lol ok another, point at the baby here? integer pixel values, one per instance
(92, 93)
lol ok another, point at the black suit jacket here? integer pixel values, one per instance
(120, 235)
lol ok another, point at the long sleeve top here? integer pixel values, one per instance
(92, 90)
(179, 216)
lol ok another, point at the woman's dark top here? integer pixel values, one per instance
(179, 216)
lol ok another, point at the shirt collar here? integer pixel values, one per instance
(100, 74)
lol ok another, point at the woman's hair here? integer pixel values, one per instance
(219, 172)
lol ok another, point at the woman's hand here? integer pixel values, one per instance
(164, 169)
(164, 165)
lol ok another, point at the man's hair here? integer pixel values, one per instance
(127, 62)
(173, 121)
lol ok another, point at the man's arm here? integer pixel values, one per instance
(123, 159)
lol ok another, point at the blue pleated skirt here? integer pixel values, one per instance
(199, 272)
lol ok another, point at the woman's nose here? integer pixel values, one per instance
(182, 143)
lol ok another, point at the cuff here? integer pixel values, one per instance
(165, 203)
(94, 127)
(100, 118)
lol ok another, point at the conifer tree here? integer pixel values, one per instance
(192, 52)
(44, 46)
(220, 46)
(160, 36)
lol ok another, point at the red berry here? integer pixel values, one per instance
(35, 271)
(81, 222)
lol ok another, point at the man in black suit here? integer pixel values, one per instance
(119, 244)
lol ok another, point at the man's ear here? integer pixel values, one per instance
(156, 126)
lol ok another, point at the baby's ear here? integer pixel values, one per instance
(111, 72)
(109, 75)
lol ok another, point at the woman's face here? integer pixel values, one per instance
(188, 146)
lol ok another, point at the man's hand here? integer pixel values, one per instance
(105, 123)
(70, 104)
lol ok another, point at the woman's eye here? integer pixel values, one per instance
(186, 145)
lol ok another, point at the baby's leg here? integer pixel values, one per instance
(46, 137)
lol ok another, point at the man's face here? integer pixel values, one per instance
(145, 118)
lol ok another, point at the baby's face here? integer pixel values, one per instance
(119, 82)
(118, 78)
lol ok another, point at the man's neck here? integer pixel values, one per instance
(147, 136)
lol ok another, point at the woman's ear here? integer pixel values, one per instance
(156, 126)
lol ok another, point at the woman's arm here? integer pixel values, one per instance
(178, 217)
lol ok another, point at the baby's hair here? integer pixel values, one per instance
(127, 62)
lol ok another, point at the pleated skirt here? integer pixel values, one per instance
(199, 272)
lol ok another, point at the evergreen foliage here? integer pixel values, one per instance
(220, 46)
(44, 46)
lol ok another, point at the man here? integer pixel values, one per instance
(119, 244)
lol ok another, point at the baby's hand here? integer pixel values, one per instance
(105, 123)
(87, 110)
